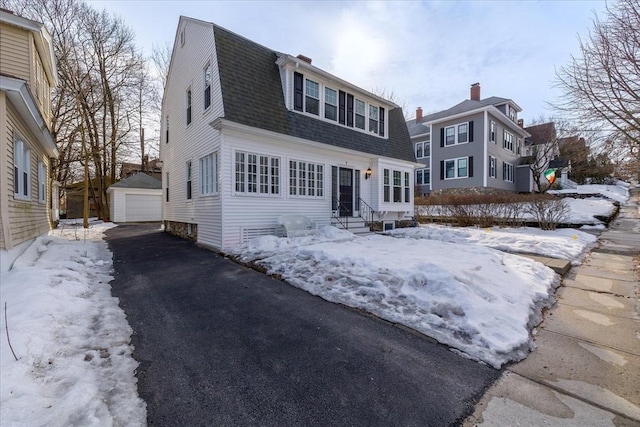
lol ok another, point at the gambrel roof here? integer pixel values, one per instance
(253, 96)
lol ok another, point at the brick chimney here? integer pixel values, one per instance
(475, 92)
(521, 123)
(304, 58)
(418, 114)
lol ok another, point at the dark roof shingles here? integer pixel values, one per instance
(252, 95)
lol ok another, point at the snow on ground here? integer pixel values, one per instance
(479, 300)
(618, 192)
(584, 211)
(565, 243)
(74, 362)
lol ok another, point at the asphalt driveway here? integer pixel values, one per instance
(221, 344)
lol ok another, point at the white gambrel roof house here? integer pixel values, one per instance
(250, 134)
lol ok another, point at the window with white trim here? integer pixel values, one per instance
(386, 185)
(188, 102)
(21, 169)
(257, 174)
(460, 133)
(360, 114)
(456, 168)
(507, 171)
(513, 113)
(492, 132)
(207, 85)
(312, 98)
(166, 180)
(423, 149)
(42, 182)
(188, 174)
(397, 186)
(493, 167)
(463, 133)
(373, 118)
(423, 176)
(209, 174)
(450, 135)
(330, 104)
(407, 187)
(508, 141)
(306, 179)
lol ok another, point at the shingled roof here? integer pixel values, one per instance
(139, 180)
(252, 95)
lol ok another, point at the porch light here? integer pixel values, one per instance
(367, 173)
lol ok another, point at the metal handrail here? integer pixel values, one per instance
(367, 213)
(344, 220)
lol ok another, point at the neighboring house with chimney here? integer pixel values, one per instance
(27, 74)
(250, 134)
(541, 154)
(475, 144)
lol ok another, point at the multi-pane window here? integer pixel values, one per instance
(312, 99)
(188, 106)
(189, 181)
(330, 104)
(397, 186)
(306, 179)
(360, 114)
(423, 176)
(207, 85)
(407, 188)
(387, 185)
(373, 118)
(460, 133)
(493, 167)
(166, 129)
(492, 132)
(423, 149)
(21, 169)
(209, 174)
(456, 168)
(450, 135)
(507, 171)
(508, 141)
(463, 135)
(42, 182)
(257, 174)
(513, 114)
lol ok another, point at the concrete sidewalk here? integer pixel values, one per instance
(586, 368)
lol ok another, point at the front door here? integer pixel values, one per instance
(346, 192)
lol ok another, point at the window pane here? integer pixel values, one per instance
(427, 149)
(450, 168)
(450, 135)
(419, 177)
(293, 177)
(360, 114)
(427, 176)
(275, 175)
(462, 133)
(419, 150)
(240, 175)
(462, 167)
(312, 104)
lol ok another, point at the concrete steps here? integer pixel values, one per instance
(355, 225)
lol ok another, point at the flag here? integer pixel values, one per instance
(550, 174)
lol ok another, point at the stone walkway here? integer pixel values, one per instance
(586, 368)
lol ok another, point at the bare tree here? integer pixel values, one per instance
(543, 147)
(101, 76)
(601, 85)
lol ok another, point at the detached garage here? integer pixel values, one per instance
(136, 199)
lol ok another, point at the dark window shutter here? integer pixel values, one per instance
(441, 170)
(349, 110)
(441, 137)
(504, 167)
(471, 131)
(381, 122)
(342, 107)
(298, 94)
(471, 166)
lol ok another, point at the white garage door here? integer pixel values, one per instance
(143, 207)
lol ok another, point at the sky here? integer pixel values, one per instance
(65, 352)
(426, 54)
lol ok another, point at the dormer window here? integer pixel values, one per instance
(330, 104)
(513, 114)
(312, 99)
(373, 119)
(360, 112)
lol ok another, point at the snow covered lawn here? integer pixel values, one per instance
(71, 339)
(479, 300)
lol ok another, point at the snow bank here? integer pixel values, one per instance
(476, 299)
(618, 192)
(72, 340)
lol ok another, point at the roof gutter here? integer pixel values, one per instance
(21, 98)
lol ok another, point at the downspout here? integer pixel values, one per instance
(4, 189)
(485, 151)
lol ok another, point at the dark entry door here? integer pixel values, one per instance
(346, 192)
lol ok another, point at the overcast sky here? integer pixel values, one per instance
(426, 53)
